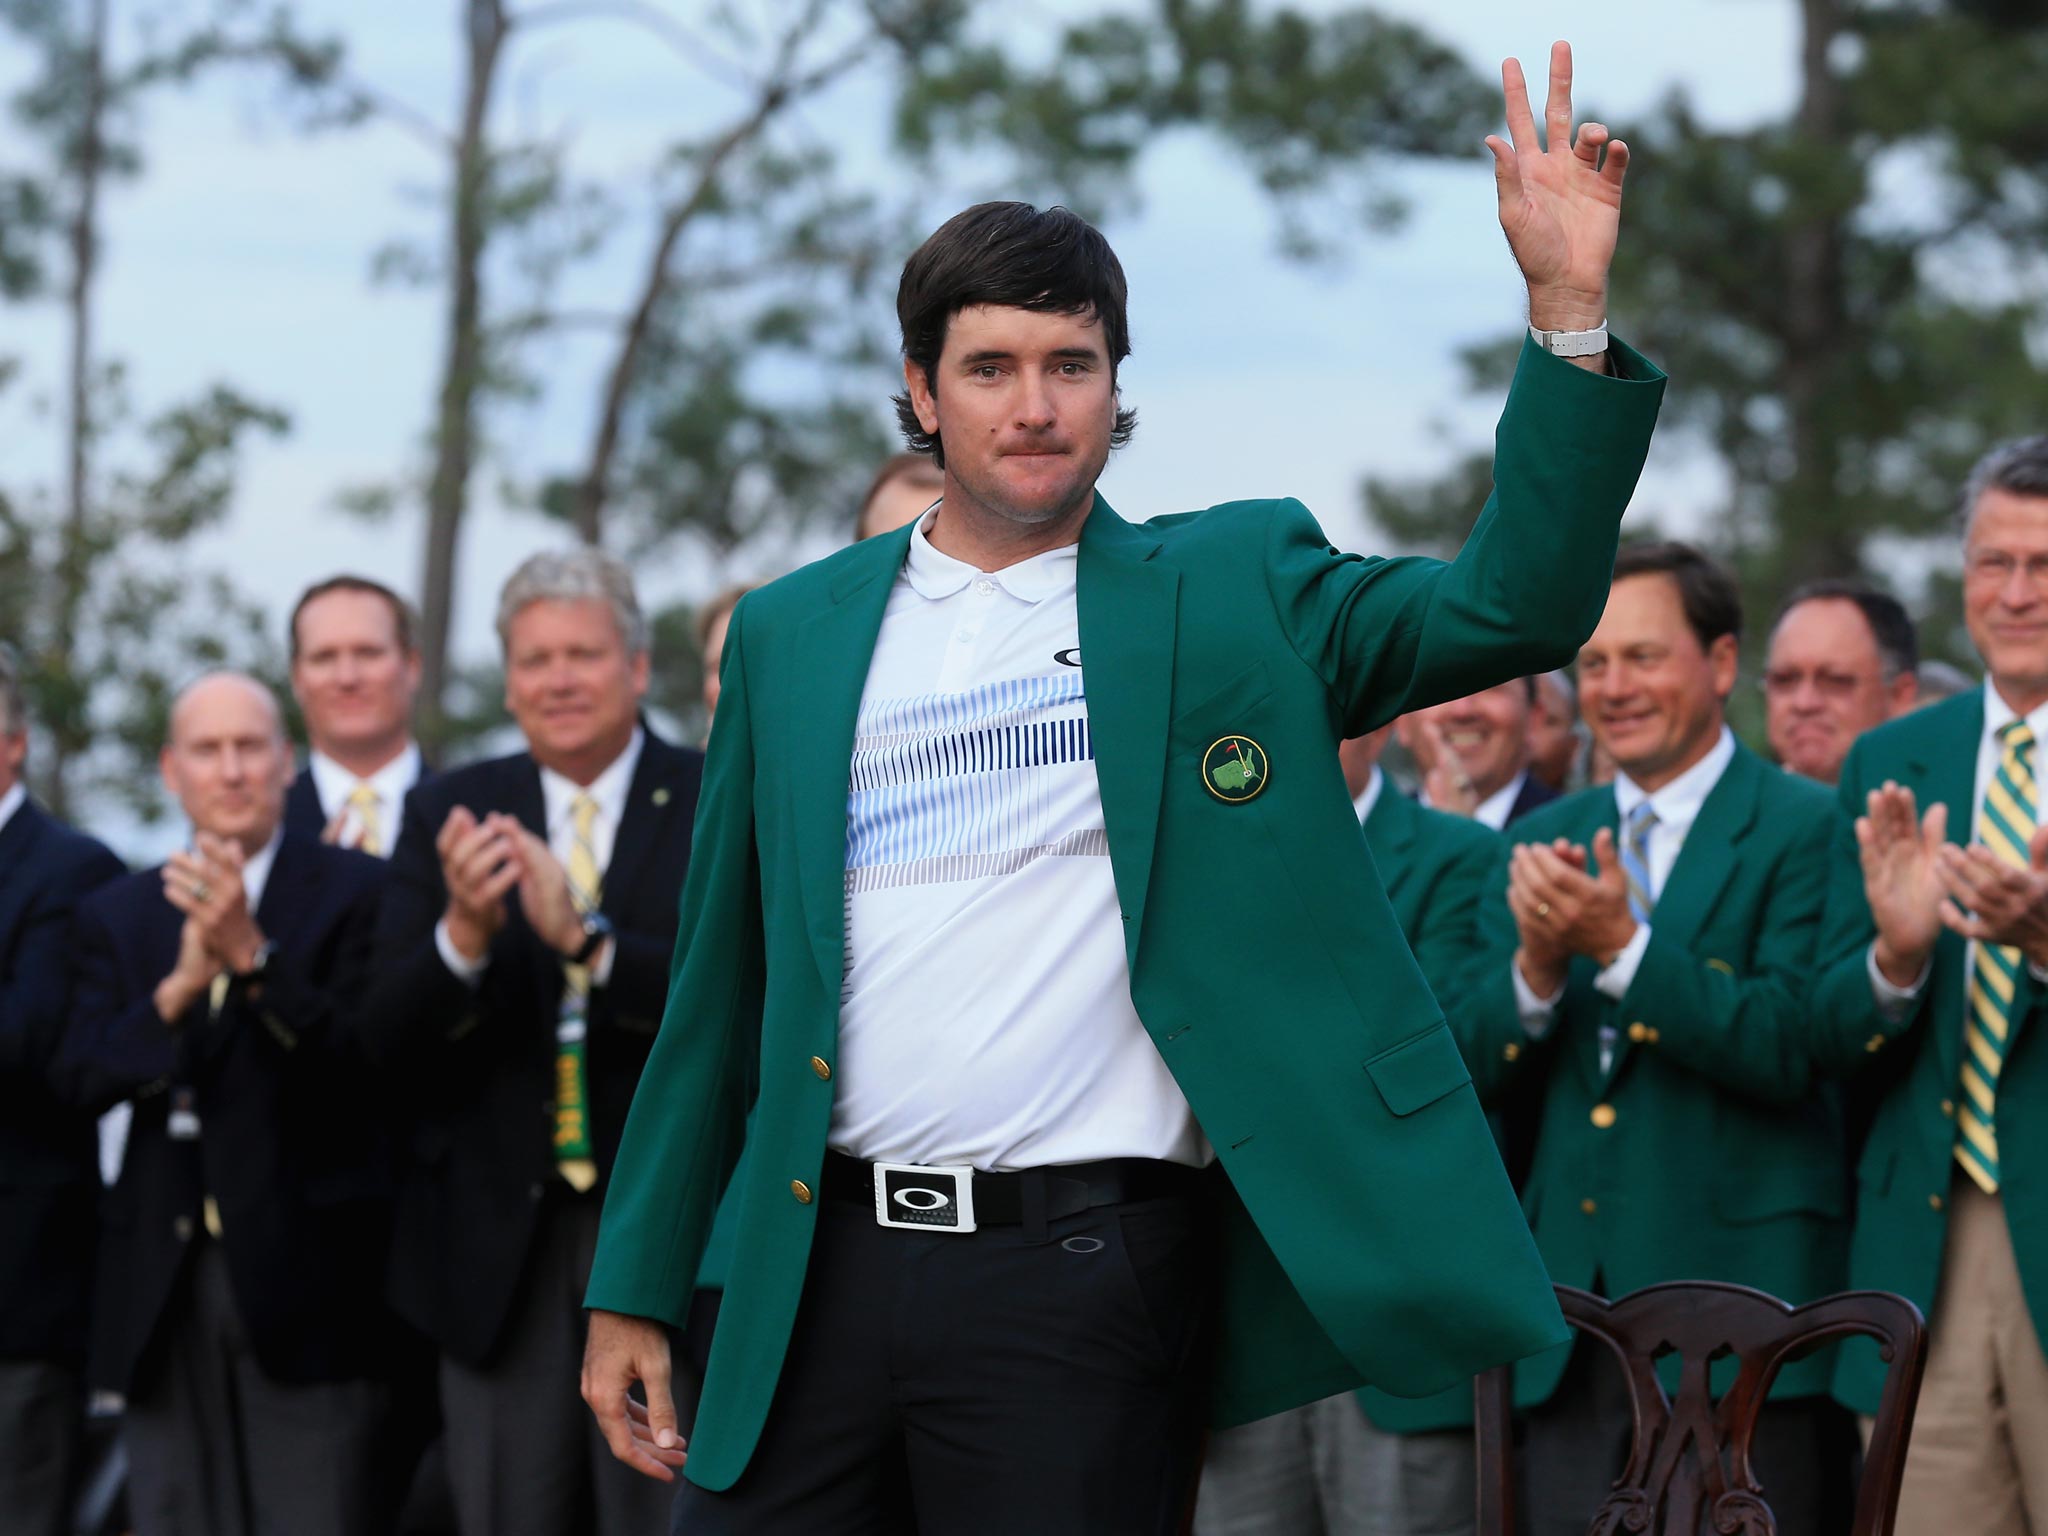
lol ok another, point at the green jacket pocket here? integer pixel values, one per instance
(1419, 1071)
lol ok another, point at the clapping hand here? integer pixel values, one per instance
(1901, 855)
(206, 885)
(480, 862)
(1445, 783)
(1560, 206)
(1561, 911)
(1994, 902)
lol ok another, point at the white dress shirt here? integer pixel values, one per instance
(1677, 805)
(334, 785)
(256, 870)
(610, 790)
(1370, 795)
(1898, 1001)
(10, 803)
(985, 1014)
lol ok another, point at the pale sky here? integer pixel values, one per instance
(243, 254)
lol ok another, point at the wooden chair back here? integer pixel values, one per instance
(1689, 1460)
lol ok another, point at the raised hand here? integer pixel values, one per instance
(544, 896)
(1560, 206)
(1444, 779)
(1901, 852)
(480, 862)
(1567, 909)
(206, 885)
(1995, 902)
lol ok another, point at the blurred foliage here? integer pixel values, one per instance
(1850, 302)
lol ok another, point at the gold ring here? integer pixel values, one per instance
(1542, 908)
(201, 891)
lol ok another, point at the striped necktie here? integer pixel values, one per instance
(572, 1098)
(2005, 824)
(1635, 862)
(369, 823)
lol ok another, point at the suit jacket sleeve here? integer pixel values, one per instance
(1389, 636)
(688, 1120)
(114, 1043)
(1498, 1050)
(35, 987)
(1748, 1032)
(417, 1005)
(1459, 954)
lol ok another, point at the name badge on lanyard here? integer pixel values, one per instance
(183, 1124)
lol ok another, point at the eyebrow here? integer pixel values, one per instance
(997, 355)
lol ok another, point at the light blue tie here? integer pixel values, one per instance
(1635, 862)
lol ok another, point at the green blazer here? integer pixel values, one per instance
(1369, 1231)
(1907, 1072)
(1707, 1150)
(1438, 870)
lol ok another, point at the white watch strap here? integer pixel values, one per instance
(1572, 343)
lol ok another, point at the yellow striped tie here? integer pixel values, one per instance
(363, 801)
(2005, 825)
(572, 1096)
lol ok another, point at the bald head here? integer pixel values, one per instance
(226, 759)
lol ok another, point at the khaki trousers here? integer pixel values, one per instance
(1978, 1461)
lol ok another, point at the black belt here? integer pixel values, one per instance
(1069, 1188)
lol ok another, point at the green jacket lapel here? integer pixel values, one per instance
(1390, 832)
(1711, 849)
(1127, 605)
(836, 645)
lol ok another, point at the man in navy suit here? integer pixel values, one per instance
(245, 1239)
(355, 674)
(49, 1178)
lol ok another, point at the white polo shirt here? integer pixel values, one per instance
(986, 1013)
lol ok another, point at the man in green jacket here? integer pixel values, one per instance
(1666, 927)
(1369, 1462)
(1936, 951)
(1027, 891)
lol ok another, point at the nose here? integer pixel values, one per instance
(1034, 402)
(2018, 590)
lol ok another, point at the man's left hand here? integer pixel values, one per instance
(1560, 206)
(206, 885)
(1994, 902)
(544, 897)
(1585, 914)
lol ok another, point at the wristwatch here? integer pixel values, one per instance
(596, 929)
(1572, 343)
(259, 963)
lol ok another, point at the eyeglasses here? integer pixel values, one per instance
(1838, 686)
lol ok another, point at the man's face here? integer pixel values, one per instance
(13, 753)
(1651, 695)
(2005, 592)
(898, 501)
(571, 685)
(1026, 403)
(1552, 741)
(352, 678)
(1824, 685)
(1488, 732)
(227, 762)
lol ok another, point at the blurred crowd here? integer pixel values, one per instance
(379, 1022)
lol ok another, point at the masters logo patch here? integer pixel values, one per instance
(1235, 769)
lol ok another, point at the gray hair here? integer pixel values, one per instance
(1939, 680)
(1561, 680)
(2019, 466)
(13, 703)
(574, 576)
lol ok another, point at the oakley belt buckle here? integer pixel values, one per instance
(925, 1199)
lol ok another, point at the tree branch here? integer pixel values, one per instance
(649, 18)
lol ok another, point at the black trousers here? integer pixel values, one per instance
(1006, 1382)
(1576, 1445)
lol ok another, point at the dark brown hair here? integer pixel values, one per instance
(1014, 256)
(401, 611)
(1898, 643)
(1712, 600)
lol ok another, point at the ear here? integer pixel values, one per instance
(1724, 660)
(166, 772)
(640, 672)
(1902, 693)
(922, 400)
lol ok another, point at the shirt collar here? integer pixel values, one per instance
(256, 868)
(1497, 807)
(1370, 795)
(935, 575)
(609, 789)
(11, 802)
(1678, 803)
(333, 784)
(1998, 714)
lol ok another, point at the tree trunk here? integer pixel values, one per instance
(462, 363)
(1821, 542)
(69, 727)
